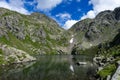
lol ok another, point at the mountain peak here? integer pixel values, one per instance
(117, 13)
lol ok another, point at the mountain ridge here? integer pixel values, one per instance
(33, 34)
(94, 31)
(37, 34)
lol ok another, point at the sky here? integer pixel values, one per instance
(65, 12)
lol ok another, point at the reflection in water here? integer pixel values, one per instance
(71, 68)
(55, 67)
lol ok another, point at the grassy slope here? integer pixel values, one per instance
(31, 22)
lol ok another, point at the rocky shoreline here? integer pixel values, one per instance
(13, 55)
(102, 62)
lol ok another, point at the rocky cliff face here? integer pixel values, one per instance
(102, 28)
(32, 34)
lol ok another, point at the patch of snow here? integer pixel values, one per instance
(71, 40)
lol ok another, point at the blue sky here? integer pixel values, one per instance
(65, 12)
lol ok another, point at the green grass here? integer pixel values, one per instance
(90, 51)
(2, 60)
(11, 59)
(6, 14)
(27, 43)
(1, 52)
(113, 51)
(108, 70)
(14, 42)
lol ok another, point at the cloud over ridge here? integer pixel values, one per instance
(101, 5)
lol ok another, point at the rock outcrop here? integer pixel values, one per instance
(12, 55)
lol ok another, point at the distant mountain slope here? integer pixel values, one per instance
(102, 28)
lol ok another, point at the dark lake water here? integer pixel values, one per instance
(56, 67)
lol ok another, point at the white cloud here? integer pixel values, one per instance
(16, 5)
(68, 24)
(46, 5)
(90, 14)
(101, 5)
(64, 16)
(2, 0)
(98, 6)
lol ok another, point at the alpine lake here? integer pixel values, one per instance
(51, 67)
